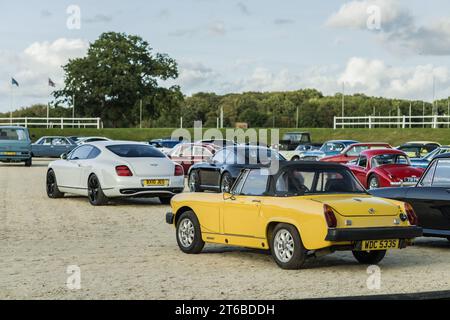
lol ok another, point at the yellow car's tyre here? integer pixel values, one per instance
(372, 257)
(52, 186)
(287, 248)
(189, 234)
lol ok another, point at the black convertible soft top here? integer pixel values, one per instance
(306, 165)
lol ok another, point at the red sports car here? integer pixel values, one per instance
(385, 168)
(353, 151)
(188, 154)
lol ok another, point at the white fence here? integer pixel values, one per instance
(392, 122)
(53, 122)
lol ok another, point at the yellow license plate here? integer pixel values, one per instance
(376, 245)
(156, 183)
(10, 153)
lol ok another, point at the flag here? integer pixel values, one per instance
(14, 82)
(51, 83)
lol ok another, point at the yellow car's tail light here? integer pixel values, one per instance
(412, 217)
(330, 216)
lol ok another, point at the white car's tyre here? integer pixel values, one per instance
(52, 186)
(95, 192)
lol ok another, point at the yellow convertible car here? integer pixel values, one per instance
(302, 210)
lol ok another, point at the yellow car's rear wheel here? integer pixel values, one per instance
(372, 257)
(287, 248)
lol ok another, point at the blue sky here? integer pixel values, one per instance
(234, 46)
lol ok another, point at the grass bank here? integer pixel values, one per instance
(392, 136)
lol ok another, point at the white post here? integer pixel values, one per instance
(98, 123)
(435, 121)
(48, 113)
(404, 122)
(62, 123)
(181, 122)
(26, 122)
(221, 117)
(335, 123)
(140, 114)
(370, 122)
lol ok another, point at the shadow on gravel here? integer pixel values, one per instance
(438, 295)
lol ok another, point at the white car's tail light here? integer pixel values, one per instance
(179, 171)
(123, 171)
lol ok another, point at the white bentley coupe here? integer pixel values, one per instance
(111, 169)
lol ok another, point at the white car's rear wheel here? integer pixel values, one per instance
(95, 192)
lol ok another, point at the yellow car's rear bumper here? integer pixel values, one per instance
(361, 234)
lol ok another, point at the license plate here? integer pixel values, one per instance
(376, 245)
(411, 180)
(9, 153)
(156, 183)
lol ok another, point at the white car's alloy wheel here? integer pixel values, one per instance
(284, 245)
(186, 233)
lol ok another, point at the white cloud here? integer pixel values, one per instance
(369, 76)
(32, 67)
(398, 30)
(374, 77)
(355, 14)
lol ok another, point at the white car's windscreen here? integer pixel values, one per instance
(135, 151)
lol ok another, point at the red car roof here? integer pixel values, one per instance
(377, 152)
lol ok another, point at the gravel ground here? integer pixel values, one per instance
(127, 251)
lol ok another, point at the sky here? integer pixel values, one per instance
(390, 48)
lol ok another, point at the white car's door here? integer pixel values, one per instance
(87, 166)
(72, 169)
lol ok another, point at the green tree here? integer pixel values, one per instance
(117, 72)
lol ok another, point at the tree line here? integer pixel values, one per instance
(121, 80)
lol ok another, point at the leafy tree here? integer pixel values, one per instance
(116, 73)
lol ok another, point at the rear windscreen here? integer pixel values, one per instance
(13, 134)
(135, 151)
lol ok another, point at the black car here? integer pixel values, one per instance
(222, 170)
(430, 198)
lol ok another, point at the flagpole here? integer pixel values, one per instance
(12, 104)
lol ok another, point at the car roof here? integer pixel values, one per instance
(420, 143)
(12, 127)
(442, 156)
(317, 165)
(104, 144)
(377, 152)
(342, 141)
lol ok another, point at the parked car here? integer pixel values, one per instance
(353, 151)
(385, 168)
(425, 161)
(294, 144)
(330, 148)
(220, 172)
(220, 143)
(188, 154)
(430, 198)
(85, 140)
(418, 149)
(164, 145)
(52, 147)
(114, 169)
(15, 145)
(303, 210)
